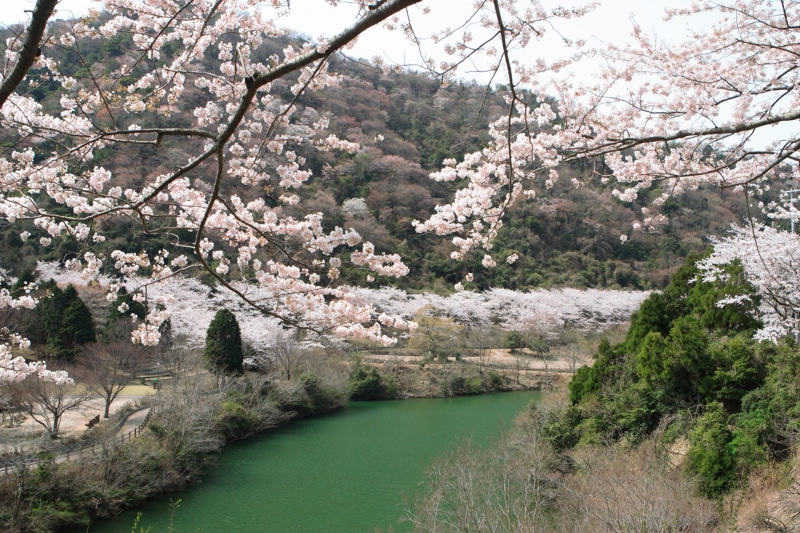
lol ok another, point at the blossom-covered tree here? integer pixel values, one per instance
(660, 115)
(586, 310)
(771, 262)
(676, 116)
(241, 133)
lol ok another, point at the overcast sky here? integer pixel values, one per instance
(611, 23)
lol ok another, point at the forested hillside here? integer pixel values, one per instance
(407, 124)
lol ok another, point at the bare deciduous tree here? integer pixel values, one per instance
(16, 485)
(174, 358)
(437, 336)
(106, 369)
(507, 487)
(573, 356)
(542, 350)
(481, 338)
(185, 416)
(47, 401)
(521, 364)
(287, 351)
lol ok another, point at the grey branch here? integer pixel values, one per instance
(31, 49)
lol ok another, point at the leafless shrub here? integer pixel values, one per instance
(771, 498)
(180, 362)
(436, 336)
(329, 368)
(287, 350)
(137, 469)
(479, 339)
(186, 413)
(16, 481)
(624, 489)
(258, 394)
(510, 486)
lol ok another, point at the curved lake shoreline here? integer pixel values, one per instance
(346, 471)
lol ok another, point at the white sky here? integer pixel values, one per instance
(608, 24)
(611, 23)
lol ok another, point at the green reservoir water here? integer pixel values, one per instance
(342, 473)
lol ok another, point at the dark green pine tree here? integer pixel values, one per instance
(77, 327)
(67, 321)
(51, 311)
(26, 277)
(224, 344)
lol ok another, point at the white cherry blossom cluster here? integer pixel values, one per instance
(244, 129)
(190, 306)
(384, 264)
(771, 262)
(674, 116)
(239, 128)
(245, 133)
(659, 114)
(25, 301)
(16, 368)
(586, 310)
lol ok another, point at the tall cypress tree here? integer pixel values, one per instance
(51, 311)
(77, 327)
(224, 344)
(67, 321)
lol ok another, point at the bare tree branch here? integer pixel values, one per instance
(31, 49)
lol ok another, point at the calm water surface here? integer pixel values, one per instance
(341, 473)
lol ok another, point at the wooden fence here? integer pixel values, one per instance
(8, 463)
(137, 431)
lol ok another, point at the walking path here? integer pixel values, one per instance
(17, 439)
(74, 422)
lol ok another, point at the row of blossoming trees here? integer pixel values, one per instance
(671, 117)
(193, 305)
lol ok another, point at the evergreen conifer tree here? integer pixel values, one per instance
(26, 277)
(77, 327)
(51, 311)
(224, 344)
(66, 320)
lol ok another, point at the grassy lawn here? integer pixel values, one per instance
(138, 390)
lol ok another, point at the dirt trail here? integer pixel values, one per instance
(74, 422)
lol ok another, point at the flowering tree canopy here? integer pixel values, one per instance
(241, 132)
(675, 116)
(16, 368)
(771, 262)
(681, 115)
(586, 310)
